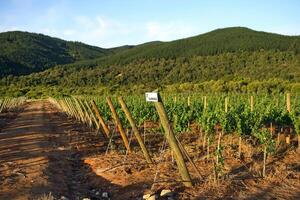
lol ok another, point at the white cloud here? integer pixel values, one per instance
(49, 31)
(168, 31)
(287, 29)
(83, 21)
(93, 27)
(102, 22)
(58, 21)
(9, 28)
(101, 31)
(104, 32)
(69, 32)
(51, 15)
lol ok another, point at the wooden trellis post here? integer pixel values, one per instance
(75, 111)
(118, 123)
(226, 104)
(288, 107)
(288, 102)
(61, 103)
(135, 130)
(87, 116)
(101, 121)
(70, 110)
(92, 115)
(172, 140)
(205, 102)
(251, 103)
(79, 109)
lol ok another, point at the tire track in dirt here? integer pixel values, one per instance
(39, 154)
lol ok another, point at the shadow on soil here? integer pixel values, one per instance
(51, 142)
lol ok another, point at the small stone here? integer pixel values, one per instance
(153, 197)
(149, 197)
(63, 198)
(97, 193)
(9, 163)
(61, 148)
(20, 175)
(166, 193)
(105, 194)
(146, 196)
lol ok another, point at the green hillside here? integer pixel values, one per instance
(230, 59)
(24, 53)
(213, 43)
(230, 53)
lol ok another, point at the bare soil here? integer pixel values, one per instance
(43, 151)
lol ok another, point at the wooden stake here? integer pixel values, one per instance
(173, 143)
(271, 128)
(118, 124)
(278, 139)
(135, 130)
(288, 107)
(288, 102)
(62, 105)
(264, 162)
(70, 110)
(218, 146)
(87, 116)
(189, 158)
(92, 115)
(208, 147)
(288, 139)
(251, 103)
(75, 111)
(80, 111)
(101, 121)
(226, 104)
(205, 103)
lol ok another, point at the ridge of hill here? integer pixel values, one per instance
(22, 53)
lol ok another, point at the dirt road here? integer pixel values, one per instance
(40, 152)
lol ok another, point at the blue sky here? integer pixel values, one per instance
(109, 23)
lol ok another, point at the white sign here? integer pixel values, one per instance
(151, 96)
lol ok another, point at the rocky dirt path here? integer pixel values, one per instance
(40, 153)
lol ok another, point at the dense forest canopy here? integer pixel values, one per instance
(221, 60)
(23, 53)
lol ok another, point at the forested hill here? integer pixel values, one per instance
(233, 54)
(24, 52)
(227, 40)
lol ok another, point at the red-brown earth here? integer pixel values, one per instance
(42, 151)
